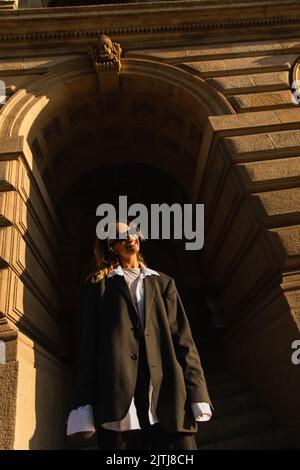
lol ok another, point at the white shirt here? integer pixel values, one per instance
(81, 419)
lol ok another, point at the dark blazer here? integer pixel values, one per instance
(108, 365)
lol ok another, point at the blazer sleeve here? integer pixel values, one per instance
(185, 348)
(86, 377)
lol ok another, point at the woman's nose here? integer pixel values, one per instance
(131, 237)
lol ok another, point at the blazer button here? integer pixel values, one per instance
(133, 357)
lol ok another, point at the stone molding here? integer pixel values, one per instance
(8, 5)
(170, 18)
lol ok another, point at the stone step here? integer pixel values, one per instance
(225, 427)
(279, 438)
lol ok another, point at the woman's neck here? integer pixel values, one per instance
(131, 262)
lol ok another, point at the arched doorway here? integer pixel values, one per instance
(58, 129)
(77, 214)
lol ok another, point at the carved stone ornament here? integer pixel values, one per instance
(107, 54)
(107, 61)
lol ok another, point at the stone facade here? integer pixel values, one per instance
(204, 94)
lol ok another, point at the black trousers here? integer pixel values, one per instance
(149, 437)
(153, 439)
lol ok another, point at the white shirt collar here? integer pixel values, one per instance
(144, 271)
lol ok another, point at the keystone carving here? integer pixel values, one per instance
(107, 61)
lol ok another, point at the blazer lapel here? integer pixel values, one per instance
(120, 283)
(149, 292)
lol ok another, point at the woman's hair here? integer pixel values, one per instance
(105, 260)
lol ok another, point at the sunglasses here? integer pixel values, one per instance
(122, 237)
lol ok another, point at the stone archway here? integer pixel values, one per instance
(59, 127)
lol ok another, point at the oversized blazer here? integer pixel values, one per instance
(107, 369)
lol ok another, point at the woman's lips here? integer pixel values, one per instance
(131, 244)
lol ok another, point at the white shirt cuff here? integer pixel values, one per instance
(201, 411)
(81, 420)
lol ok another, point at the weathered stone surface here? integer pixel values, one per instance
(262, 101)
(252, 82)
(27, 65)
(277, 143)
(280, 203)
(14, 252)
(8, 175)
(8, 393)
(42, 398)
(263, 174)
(250, 144)
(7, 207)
(169, 117)
(232, 123)
(25, 307)
(205, 52)
(213, 68)
(290, 239)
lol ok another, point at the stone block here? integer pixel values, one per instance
(236, 66)
(262, 101)
(236, 123)
(278, 204)
(251, 82)
(242, 146)
(14, 252)
(8, 392)
(290, 239)
(8, 175)
(270, 173)
(42, 398)
(277, 143)
(218, 51)
(23, 307)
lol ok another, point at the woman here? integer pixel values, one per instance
(140, 380)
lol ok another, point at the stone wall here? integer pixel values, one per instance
(42, 398)
(248, 176)
(217, 113)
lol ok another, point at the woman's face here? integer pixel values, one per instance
(126, 246)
